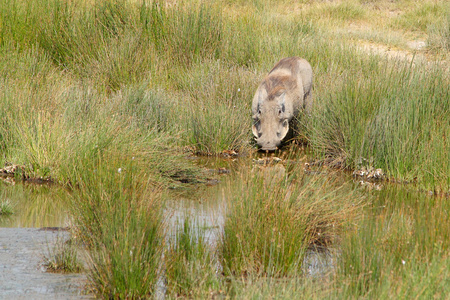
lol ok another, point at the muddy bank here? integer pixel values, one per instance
(22, 275)
(12, 172)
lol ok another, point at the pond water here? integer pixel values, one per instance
(22, 244)
(34, 206)
(206, 207)
(25, 240)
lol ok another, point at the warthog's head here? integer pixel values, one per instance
(271, 116)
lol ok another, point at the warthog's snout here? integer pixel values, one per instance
(268, 149)
(268, 146)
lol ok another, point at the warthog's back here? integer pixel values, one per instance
(295, 74)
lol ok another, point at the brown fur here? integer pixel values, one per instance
(289, 63)
(275, 86)
(281, 95)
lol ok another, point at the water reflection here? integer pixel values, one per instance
(205, 208)
(205, 211)
(35, 205)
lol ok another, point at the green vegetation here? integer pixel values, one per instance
(399, 250)
(6, 208)
(422, 16)
(274, 218)
(63, 257)
(398, 122)
(135, 76)
(108, 97)
(190, 268)
(118, 215)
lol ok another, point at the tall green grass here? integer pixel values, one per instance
(61, 127)
(118, 215)
(422, 15)
(391, 119)
(104, 47)
(397, 249)
(400, 249)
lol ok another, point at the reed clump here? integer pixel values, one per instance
(63, 256)
(273, 220)
(392, 125)
(118, 216)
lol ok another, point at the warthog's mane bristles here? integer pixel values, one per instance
(275, 86)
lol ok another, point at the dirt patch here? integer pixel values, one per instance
(392, 53)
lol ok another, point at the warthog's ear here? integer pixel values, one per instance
(284, 128)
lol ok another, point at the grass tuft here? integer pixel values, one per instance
(63, 257)
(118, 215)
(6, 208)
(386, 119)
(273, 219)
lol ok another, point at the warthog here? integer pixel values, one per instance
(282, 95)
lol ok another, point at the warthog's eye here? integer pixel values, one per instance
(259, 111)
(279, 111)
